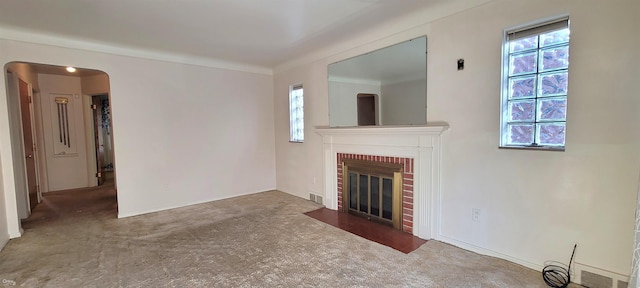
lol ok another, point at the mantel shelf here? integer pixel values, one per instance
(429, 129)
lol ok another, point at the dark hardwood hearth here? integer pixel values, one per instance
(385, 235)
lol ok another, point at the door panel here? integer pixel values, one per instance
(29, 147)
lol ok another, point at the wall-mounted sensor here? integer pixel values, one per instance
(460, 64)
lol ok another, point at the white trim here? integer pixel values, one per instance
(160, 209)
(409, 27)
(67, 42)
(576, 267)
(488, 252)
(354, 80)
(421, 143)
(536, 22)
(34, 135)
(429, 128)
(89, 135)
(16, 234)
(17, 139)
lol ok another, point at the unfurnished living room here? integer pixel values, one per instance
(320, 143)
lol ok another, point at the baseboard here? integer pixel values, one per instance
(615, 278)
(138, 213)
(488, 252)
(16, 235)
(577, 268)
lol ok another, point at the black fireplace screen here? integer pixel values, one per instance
(371, 195)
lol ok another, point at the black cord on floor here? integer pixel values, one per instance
(557, 276)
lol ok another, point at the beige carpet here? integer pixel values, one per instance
(73, 239)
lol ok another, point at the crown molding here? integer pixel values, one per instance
(353, 80)
(387, 33)
(14, 34)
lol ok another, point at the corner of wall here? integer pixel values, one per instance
(4, 239)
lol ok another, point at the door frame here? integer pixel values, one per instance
(361, 97)
(14, 180)
(90, 131)
(18, 144)
(34, 149)
(40, 161)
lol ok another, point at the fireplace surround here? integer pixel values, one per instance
(394, 172)
(417, 148)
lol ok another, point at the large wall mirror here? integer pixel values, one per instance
(383, 87)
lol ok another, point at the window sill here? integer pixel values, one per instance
(542, 148)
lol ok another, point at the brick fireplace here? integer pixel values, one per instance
(417, 148)
(407, 183)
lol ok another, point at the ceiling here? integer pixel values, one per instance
(60, 70)
(263, 33)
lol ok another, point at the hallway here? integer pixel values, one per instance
(59, 207)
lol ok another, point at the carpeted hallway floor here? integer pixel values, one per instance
(73, 239)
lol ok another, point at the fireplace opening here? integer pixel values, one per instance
(373, 190)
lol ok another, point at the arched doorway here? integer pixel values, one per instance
(67, 132)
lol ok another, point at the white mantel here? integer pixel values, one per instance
(422, 143)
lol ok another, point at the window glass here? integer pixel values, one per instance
(535, 86)
(296, 114)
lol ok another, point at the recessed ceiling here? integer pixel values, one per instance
(61, 70)
(254, 32)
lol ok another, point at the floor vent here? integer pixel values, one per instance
(315, 198)
(589, 279)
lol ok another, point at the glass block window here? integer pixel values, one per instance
(535, 85)
(296, 114)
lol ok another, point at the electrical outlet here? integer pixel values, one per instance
(475, 214)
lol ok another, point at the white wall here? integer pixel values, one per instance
(95, 84)
(584, 195)
(26, 73)
(183, 134)
(535, 204)
(404, 102)
(344, 101)
(298, 172)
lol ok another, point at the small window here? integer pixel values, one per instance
(535, 85)
(296, 114)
